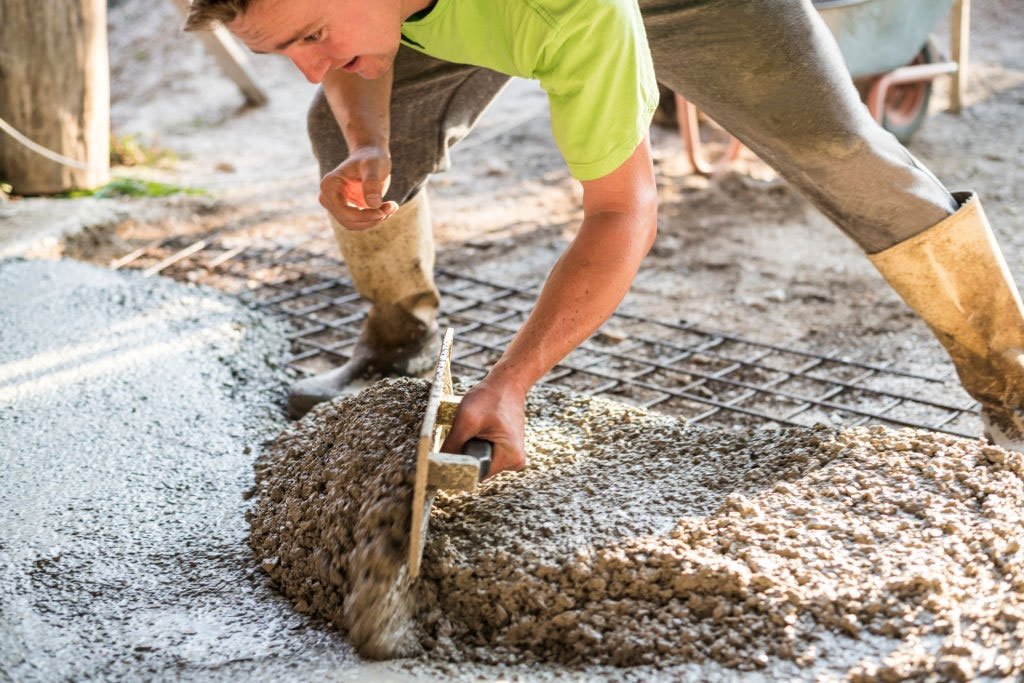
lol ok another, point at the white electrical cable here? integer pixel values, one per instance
(42, 151)
(501, 128)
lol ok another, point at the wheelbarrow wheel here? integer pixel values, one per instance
(906, 105)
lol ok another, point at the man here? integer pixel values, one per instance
(406, 79)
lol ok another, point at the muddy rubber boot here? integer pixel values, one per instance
(392, 265)
(955, 277)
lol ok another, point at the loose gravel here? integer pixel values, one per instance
(636, 539)
(330, 525)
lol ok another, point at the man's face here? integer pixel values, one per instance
(358, 36)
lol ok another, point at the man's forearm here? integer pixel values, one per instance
(361, 107)
(586, 285)
(588, 282)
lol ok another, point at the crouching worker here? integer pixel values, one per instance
(404, 80)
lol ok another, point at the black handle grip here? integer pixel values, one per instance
(482, 450)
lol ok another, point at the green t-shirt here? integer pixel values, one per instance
(590, 56)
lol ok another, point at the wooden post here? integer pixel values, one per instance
(55, 89)
(220, 44)
(960, 36)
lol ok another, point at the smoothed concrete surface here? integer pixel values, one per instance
(131, 410)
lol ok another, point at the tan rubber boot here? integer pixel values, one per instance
(392, 265)
(955, 277)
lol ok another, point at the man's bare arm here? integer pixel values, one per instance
(582, 291)
(362, 108)
(354, 192)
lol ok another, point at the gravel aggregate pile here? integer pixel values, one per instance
(330, 525)
(636, 539)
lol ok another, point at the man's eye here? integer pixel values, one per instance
(313, 37)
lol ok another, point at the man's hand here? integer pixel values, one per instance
(353, 192)
(494, 411)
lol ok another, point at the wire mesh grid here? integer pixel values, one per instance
(709, 377)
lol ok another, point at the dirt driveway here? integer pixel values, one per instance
(740, 253)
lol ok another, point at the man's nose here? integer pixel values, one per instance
(314, 67)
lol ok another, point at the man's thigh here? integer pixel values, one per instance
(434, 104)
(771, 73)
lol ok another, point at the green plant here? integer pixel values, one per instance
(134, 187)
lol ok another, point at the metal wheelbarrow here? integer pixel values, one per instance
(887, 49)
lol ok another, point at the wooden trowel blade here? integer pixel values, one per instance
(422, 495)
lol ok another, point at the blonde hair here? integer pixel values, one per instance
(203, 13)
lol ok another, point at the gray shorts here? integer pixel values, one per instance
(768, 71)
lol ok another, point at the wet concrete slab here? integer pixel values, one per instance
(131, 410)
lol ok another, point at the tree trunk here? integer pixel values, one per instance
(55, 89)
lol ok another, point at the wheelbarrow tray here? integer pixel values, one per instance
(877, 36)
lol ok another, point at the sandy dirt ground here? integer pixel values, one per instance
(740, 252)
(734, 253)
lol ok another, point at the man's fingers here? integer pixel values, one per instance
(373, 193)
(354, 218)
(462, 431)
(362, 219)
(374, 182)
(455, 440)
(506, 458)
